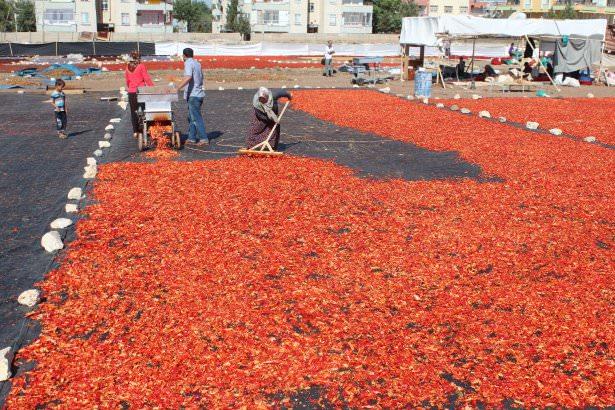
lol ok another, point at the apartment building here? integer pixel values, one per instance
(120, 16)
(442, 7)
(300, 16)
(538, 8)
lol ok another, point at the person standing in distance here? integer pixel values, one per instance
(329, 59)
(194, 95)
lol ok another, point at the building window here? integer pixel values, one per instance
(59, 16)
(528, 4)
(105, 5)
(332, 20)
(125, 19)
(269, 17)
(463, 10)
(332, 1)
(125, 1)
(311, 7)
(150, 17)
(297, 19)
(546, 4)
(448, 9)
(85, 19)
(357, 19)
(353, 2)
(433, 9)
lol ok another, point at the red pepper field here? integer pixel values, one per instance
(268, 282)
(581, 117)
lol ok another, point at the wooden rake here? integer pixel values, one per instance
(264, 148)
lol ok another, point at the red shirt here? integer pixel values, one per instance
(137, 78)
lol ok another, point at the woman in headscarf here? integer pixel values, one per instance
(136, 76)
(265, 116)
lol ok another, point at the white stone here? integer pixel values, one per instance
(590, 95)
(71, 208)
(98, 153)
(115, 120)
(555, 131)
(484, 114)
(296, 86)
(531, 125)
(20, 92)
(283, 86)
(29, 297)
(220, 88)
(52, 241)
(90, 172)
(385, 90)
(465, 111)
(425, 100)
(123, 105)
(90, 161)
(410, 97)
(60, 223)
(109, 127)
(454, 107)
(476, 97)
(108, 136)
(355, 86)
(589, 139)
(6, 358)
(240, 88)
(75, 193)
(440, 105)
(104, 144)
(456, 96)
(502, 119)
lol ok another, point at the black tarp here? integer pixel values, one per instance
(86, 48)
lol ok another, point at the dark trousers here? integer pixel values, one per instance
(61, 120)
(137, 126)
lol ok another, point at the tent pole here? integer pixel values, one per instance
(540, 62)
(472, 84)
(601, 60)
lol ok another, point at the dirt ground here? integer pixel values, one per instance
(311, 77)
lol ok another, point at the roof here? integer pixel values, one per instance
(426, 30)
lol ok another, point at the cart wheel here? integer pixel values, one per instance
(141, 141)
(177, 140)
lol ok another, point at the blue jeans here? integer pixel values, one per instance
(195, 120)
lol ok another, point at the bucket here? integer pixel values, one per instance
(422, 84)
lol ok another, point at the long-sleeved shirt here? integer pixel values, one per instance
(138, 78)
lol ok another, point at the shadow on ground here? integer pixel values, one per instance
(227, 116)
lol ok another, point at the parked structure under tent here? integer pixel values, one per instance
(575, 44)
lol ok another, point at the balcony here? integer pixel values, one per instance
(154, 5)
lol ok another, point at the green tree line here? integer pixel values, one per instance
(17, 15)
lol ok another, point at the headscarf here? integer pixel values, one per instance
(267, 107)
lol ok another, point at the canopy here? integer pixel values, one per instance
(425, 30)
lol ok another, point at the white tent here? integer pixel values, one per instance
(426, 30)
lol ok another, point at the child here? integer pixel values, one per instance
(58, 99)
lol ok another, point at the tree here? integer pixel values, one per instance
(7, 22)
(231, 15)
(388, 14)
(197, 15)
(203, 22)
(26, 16)
(567, 13)
(242, 25)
